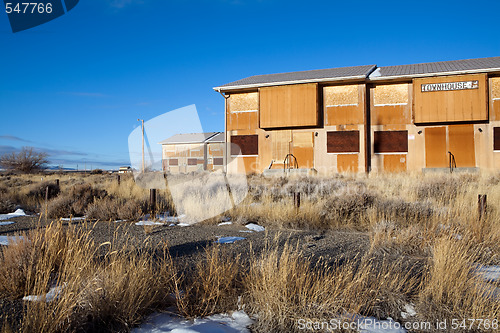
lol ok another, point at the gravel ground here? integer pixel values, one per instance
(186, 244)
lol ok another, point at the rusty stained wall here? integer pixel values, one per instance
(391, 104)
(289, 106)
(243, 111)
(344, 105)
(451, 106)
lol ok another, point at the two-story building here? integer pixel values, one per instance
(423, 117)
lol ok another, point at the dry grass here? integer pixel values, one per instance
(429, 222)
(104, 287)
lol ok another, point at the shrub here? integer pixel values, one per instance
(38, 191)
(109, 208)
(75, 202)
(27, 160)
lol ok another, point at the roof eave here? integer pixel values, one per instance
(411, 76)
(280, 83)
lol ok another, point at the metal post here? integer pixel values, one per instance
(481, 206)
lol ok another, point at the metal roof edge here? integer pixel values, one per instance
(410, 76)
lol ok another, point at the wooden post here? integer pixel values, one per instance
(118, 179)
(152, 201)
(46, 202)
(296, 199)
(481, 206)
(57, 182)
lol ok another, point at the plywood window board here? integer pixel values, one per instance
(281, 141)
(192, 161)
(496, 138)
(173, 162)
(303, 139)
(390, 142)
(245, 102)
(393, 94)
(244, 145)
(341, 95)
(495, 88)
(218, 161)
(342, 142)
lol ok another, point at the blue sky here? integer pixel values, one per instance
(75, 86)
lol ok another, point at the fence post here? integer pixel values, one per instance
(152, 201)
(46, 202)
(118, 179)
(57, 182)
(296, 199)
(481, 205)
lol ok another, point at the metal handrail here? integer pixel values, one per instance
(452, 162)
(286, 162)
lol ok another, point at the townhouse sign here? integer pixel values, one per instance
(450, 86)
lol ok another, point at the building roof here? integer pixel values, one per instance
(219, 137)
(467, 66)
(319, 75)
(190, 138)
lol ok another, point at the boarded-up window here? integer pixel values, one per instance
(247, 144)
(218, 161)
(393, 94)
(341, 95)
(244, 102)
(192, 161)
(173, 162)
(495, 88)
(342, 142)
(496, 138)
(390, 141)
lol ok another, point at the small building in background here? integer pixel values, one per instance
(183, 153)
(124, 169)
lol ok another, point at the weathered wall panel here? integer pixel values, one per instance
(289, 106)
(343, 105)
(450, 106)
(281, 145)
(435, 147)
(242, 120)
(244, 102)
(395, 163)
(391, 104)
(393, 94)
(347, 163)
(461, 144)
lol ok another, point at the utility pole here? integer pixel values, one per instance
(142, 127)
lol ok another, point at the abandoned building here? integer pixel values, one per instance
(183, 153)
(421, 117)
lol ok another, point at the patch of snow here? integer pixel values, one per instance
(6, 223)
(48, 297)
(255, 227)
(6, 240)
(225, 223)
(183, 224)
(148, 223)
(220, 323)
(488, 273)
(118, 221)
(246, 231)
(78, 218)
(229, 240)
(18, 212)
(409, 311)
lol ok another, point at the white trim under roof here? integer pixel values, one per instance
(280, 83)
(372, 77)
